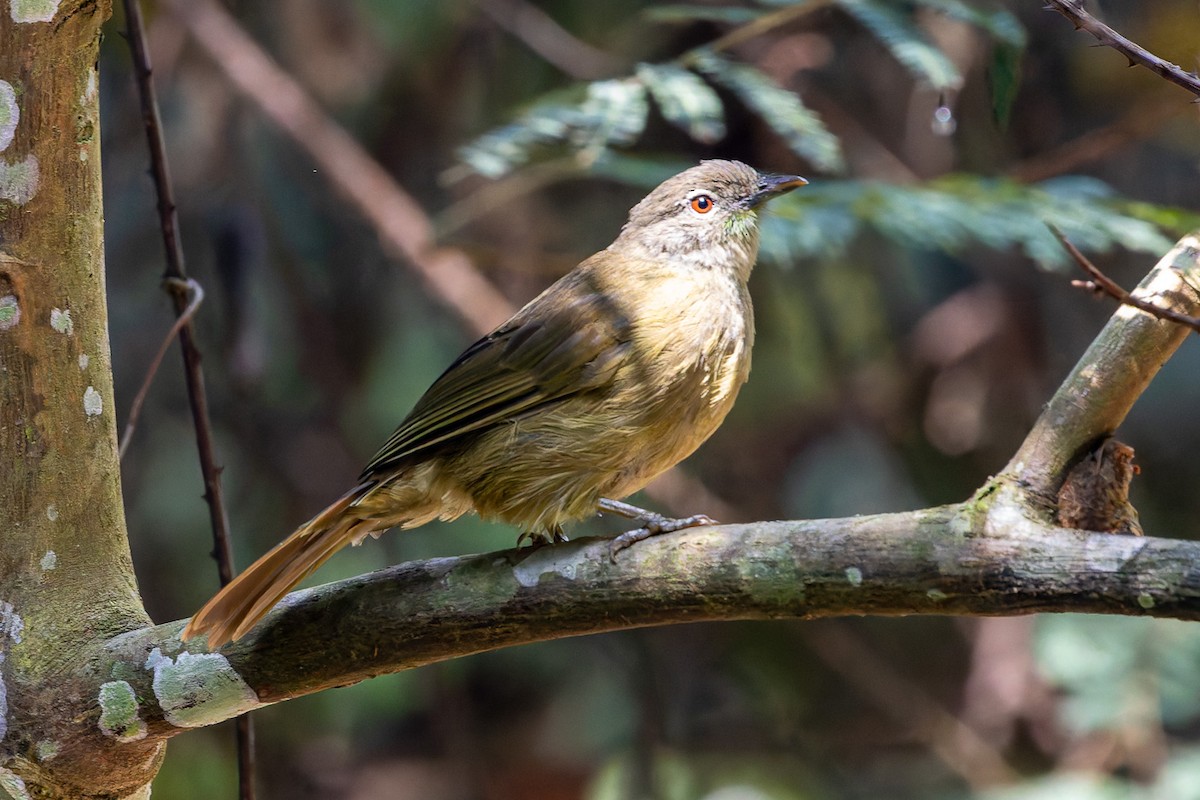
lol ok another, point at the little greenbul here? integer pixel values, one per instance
(611, 376)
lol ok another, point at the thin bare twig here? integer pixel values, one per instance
(397, 218)
(135, 410)
(1105, 285)
(765, 23)
(959, 746)
(1143, 120)
(548, 39)
(1074, 11)
(177, 286)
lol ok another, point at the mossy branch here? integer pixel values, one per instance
(960, 559)
(996, 554)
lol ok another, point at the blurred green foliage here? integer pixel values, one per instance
(906, 340)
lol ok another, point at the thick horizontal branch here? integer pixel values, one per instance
(936, 561)
(991, 556)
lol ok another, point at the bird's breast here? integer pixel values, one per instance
(690, 353)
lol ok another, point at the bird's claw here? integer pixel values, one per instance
(541, 538)
(655, 524)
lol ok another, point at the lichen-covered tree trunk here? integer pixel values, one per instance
(66, 580)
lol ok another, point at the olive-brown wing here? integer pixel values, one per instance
(556, 347)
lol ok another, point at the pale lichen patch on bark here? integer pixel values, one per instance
(854, 576)
(60, 320)
(34, 10)
(119, 712)
(10, 312)
(49, 561)
(197, 690)
(141, 794)
(10, 114)
(45, 750)
(11, 624)
(19, 180)
(89, 88)
(545, 561)
(3, 704)
(13, 785)
(93, 404)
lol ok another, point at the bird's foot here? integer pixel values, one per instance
(552, 535)
(652, 524)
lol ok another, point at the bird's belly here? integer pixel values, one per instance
(552, 465)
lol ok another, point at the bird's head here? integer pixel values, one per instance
(706, 215)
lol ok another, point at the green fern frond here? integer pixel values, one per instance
(498, 151)
(800, 127)
(685, 100)
(999, 23)
(613, 113)
(897, 32)
(959, 211)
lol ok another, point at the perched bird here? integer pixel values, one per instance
(611, 376)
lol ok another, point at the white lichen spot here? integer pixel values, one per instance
(197, 690)
(52, 512)
(854, 576)
(937, 595)
(10, 782)
(11, 624)
(89, 88)
(1006, 517)
(545, 561)
(960, 525)
(3, 704)
(157, 659)
(141, 794)
(19, 181)
(10, 312)
(83, 360)
(1145, 601)
(93, 404)
(46, 750)
(49, 561)
(61, 321)
(119, 712)
(34, 10)
(10, 114)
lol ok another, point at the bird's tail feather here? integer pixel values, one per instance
(247, 598)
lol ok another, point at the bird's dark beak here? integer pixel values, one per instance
(772, 186)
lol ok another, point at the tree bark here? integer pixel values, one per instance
(934, 561)
(66, 579)
(89, 691)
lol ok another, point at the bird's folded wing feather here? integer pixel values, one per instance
(540, 356)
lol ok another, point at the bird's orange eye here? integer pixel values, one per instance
(702, 204)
